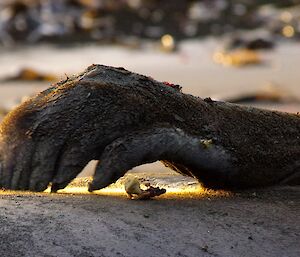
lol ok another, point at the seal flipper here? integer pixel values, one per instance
(159, 144)
(71, 163)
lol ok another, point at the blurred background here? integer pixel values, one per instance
(240, 51)
(246, 52)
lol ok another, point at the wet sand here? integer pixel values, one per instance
(254, 223)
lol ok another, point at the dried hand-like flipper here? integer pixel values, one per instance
(124, 119)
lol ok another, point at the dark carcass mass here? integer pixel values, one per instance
(125, 119)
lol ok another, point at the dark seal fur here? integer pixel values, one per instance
(125, 119)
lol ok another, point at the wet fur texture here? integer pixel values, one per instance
(125, 119)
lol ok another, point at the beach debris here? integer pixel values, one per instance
(250, 43)
(270, 93)
(237, 58)
(30, 74)
(133, 189)
(206, 143)
(132, 186)
(259, 43)
(244, 49)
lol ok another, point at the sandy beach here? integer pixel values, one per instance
(186, 224)
(253, 223)
(192, 67)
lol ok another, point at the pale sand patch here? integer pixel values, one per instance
(189, 223)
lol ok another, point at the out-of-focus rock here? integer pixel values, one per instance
(252, 44)
(237, 58)
(268, 94)
(29, 74)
